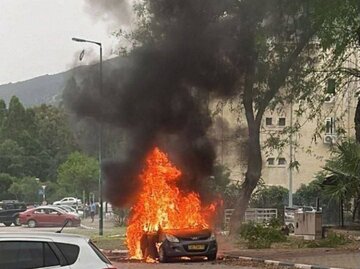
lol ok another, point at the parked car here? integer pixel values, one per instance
(48, 216)
(9, 212)
(72, 201)
(186, 243)
(68, 209)
(50, 250)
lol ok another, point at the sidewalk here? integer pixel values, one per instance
(322, 257)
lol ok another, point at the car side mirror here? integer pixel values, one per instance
(59, 214)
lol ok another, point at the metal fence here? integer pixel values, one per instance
(259, 215)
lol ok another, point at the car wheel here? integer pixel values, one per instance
(162, 255)
(211, 257)
(69, 223)
(17, 221)
(7, 224)
(32, 223)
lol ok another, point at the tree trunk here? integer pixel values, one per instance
(252, 176)
(342, 212)
(357, 122)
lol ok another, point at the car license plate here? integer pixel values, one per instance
(196, 247)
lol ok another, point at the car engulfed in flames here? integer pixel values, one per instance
(165, 221)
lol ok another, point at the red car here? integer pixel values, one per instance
(47, 216)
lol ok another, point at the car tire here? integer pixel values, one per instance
(69, 223)
(32, 223)
(7, 224)
(162, 255)
(17, 221)
(211, 257)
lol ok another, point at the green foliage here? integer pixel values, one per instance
(344, 166)
(15, 122)
(259, 235)
(12, 158)
(307, 194)
(25, 189)
(34, 142)
(333, 240)
(79, 173)
(231, 194)
(220, 180)
(270, 197)
(5, 182)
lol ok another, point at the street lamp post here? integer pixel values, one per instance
(101, 220)
(43, 194)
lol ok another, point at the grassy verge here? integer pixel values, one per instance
(113, 238)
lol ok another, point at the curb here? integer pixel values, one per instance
(282, 263)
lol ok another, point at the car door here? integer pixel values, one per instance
(57, 218)
(22, 254)
(40, 216)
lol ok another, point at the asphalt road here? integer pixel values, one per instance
(204, 265)
(19, 229)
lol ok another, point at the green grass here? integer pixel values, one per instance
(113, 238)
(109, 243)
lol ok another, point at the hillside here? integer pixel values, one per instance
(46, 89)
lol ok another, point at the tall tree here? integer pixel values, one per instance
(55, 141)
(12, 159)
(16, 120)
(5, 182)
(79, 173)
(3, 112)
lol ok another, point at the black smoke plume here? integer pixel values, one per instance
(159, 93)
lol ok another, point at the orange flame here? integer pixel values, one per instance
(161, 203)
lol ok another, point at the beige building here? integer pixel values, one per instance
(311, 145)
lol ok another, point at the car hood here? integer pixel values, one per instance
(189, 233)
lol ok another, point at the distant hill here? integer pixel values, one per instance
(45, 89)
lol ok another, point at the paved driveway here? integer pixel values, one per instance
(180, 266)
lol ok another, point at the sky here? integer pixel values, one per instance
(36, 37)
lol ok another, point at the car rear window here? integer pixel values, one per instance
(70, 252)
(26, 254)
(99, 253)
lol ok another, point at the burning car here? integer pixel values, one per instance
(187, 243)
(167, 222)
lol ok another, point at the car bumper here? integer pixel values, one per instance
(183, 248)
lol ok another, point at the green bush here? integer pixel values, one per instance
(260, 235)
(333, 240)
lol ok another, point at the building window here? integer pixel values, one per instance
(282, 122)
(330, 126)
(281, 161)
(271, 161)
(268, 121)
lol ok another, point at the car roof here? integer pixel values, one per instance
(58, 237)
(46, 207)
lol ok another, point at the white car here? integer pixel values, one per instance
(50, 250)
(68, 209)
(68, 201)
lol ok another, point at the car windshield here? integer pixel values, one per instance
(67, 208)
